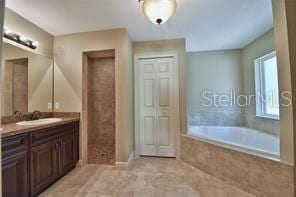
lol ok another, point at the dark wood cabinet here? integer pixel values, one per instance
(68, 152)
(15, 166)
(34, 161)
(44, 166)
(15, 180)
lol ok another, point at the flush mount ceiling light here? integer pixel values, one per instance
(159, 11)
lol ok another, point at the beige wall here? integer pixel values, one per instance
(285, 80)
(40, 73)
(68, 50)
(291, 21)
(20, 25)
(130, 96)
(215, 71)
(177, 46)
(1, 35)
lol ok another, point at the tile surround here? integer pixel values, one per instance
(255, 175)
(101, 110)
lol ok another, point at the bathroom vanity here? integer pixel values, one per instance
(39, 146)
(34, 157)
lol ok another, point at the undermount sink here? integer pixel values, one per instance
(39, 121)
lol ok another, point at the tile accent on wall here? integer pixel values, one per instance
(66, 114)
(23, 117)
(262, 124)
(101, 111)
(216, 118)
(234, 118)
(255, 175)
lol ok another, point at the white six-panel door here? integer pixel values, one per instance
(156, 102)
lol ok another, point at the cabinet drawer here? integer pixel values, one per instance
(45, 135)
(14, 144)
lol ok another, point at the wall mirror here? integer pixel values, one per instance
(27, 81)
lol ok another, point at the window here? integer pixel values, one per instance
(266, 80)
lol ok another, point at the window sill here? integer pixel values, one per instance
(268, 117)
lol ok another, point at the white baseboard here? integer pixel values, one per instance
(126, 165)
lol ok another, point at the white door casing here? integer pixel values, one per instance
(157, 109)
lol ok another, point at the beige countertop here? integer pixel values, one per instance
(13, 129)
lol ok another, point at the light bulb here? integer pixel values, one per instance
(35, 43)
(23, 38)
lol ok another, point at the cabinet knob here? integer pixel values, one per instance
(56, 146)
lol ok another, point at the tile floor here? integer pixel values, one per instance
(157, 177)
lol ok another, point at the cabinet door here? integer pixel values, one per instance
(15, 180)
(68, 152)
(44, 166)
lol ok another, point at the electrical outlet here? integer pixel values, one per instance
(57, 105)
(49, 105)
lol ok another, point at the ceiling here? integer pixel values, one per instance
(206, 24)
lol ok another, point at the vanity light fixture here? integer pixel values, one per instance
(159, 11)
(10, 35)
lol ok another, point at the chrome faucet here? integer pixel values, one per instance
(35, 115)
(16, 113)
